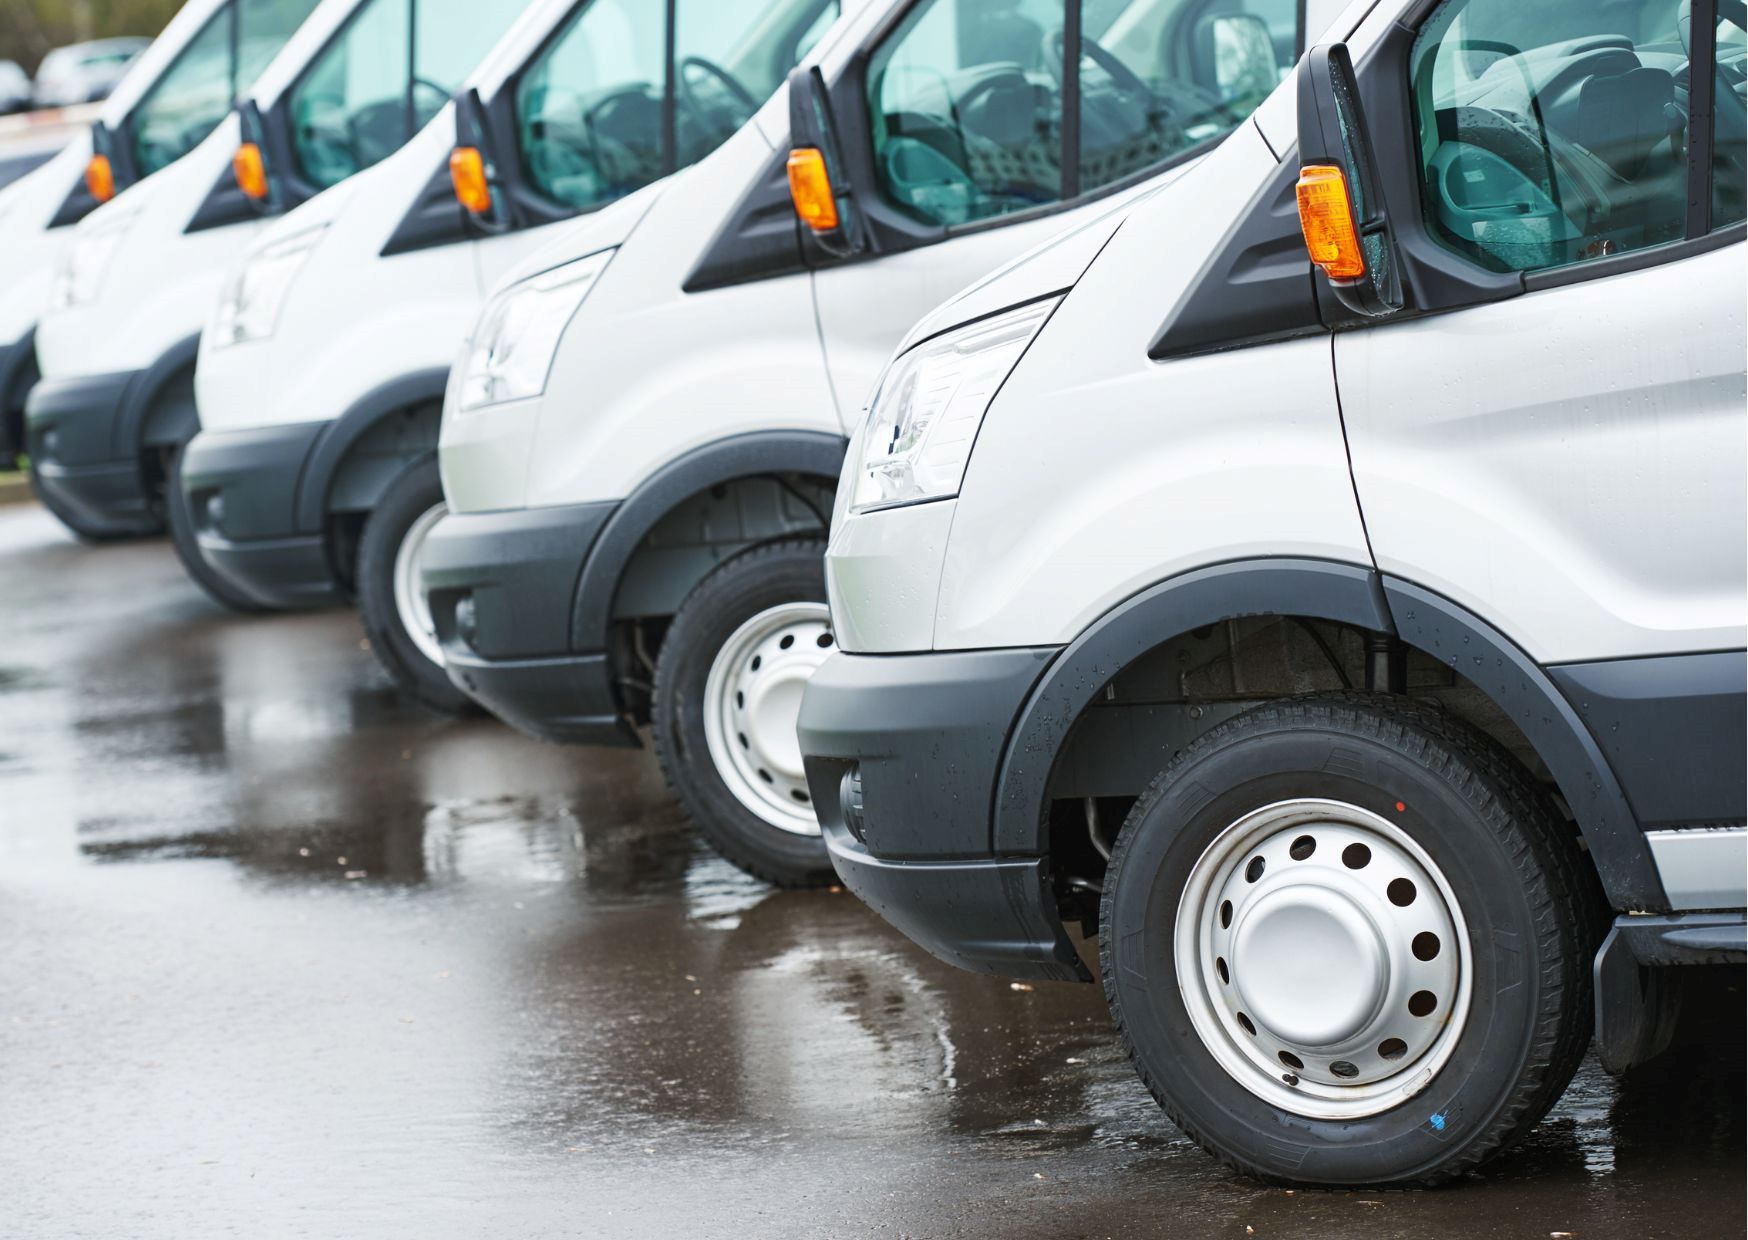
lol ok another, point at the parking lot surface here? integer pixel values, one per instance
(281, 956)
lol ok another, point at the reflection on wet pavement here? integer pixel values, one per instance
(284, 957)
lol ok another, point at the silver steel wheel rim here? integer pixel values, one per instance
(411, 605)
(1312, 980)
(752, 699)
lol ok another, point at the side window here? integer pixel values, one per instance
(729, 56)
(965, 101)
(448, 43)
(1552, 133)
(1159, 78)
(1729, 132)
(350, 108)
(203, 82)
(589, 108)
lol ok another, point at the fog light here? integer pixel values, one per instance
(51, 445)
(215, 512)
(850, 801)
(466, 622)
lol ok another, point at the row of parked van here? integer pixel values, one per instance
(1283, 514)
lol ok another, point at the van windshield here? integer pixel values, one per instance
(386, 75)
(202, 83)
(591, 108)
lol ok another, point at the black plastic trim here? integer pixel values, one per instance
(131, 424)
(225, 204)
(434, 219)
(256, 472)
(1321, 589)
(567, 700)
(82, 412)
(740, 456)
(338, 437)
(1673, 729)
(1635, 260)
(759, 240)
(1530, 698)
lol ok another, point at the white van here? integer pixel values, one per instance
(640, 447)
(116, 348)
(173, 95)
(321, 375)
(1346, 640)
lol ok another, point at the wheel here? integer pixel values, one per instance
(1347, 941)
(391, 595)
(81, 529)
(728, 690)
(180, 518)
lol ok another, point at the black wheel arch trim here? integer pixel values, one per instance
(738, 456)
(339, 436)
(142, 394)
(1344, 593)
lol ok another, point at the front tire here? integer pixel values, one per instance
(180, 518)
(1347, 942)
(727, 694)
(391, 598)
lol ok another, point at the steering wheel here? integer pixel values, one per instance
(731, 84)
(1127, 80)
(1501, 136)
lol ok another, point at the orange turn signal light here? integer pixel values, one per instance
(467, 173)
(251, 171)
(1326, 218)
(810, 187)
(100, 178)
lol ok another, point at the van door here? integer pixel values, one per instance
(974, 136)
(1568, 463)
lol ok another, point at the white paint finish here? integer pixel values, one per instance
(1326, 21)
(1099, 472)
(1567, 464)
(1702, 868)
(883, 575)
(29, 249)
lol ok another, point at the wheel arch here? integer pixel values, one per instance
(724, 461)
(147, 419)
(334, 450)
(1346, 594)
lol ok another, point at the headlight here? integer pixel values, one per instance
(510, 354)
(249, 307)
(87, 258)
(928, 406)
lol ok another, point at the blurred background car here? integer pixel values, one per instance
(84, 72)
(14, 87)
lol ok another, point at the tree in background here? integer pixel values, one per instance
(30, 29)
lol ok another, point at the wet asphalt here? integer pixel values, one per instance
(282, 956)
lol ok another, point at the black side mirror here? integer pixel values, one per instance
(818, 183)
(1341, 205)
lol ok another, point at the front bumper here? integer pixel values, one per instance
(902, 756)
(242, 489)
(502, 587)
(72, 429)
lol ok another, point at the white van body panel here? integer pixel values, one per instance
(30, 250)
(1500, 453)
(1195, 461)
(163, 279)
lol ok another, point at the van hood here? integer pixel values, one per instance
(601, 230)
(1052, 267)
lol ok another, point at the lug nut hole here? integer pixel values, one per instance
(1244, 1023)
(823, 640)
(1422, 1003)
(788, 641)
(1302, 847)
(1392, 1048)
(1356, 856)
(1225, 914)
(1254, 870)
(758, 662)
(1292, 1061)
(1401, 892)
(766, 776)
(743, 740)
(1220, 967)
(1426, 945)
(1344, 1069)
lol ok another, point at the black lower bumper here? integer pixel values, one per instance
(71, 429)
(241, 487)
(502, 587)
(902, 755)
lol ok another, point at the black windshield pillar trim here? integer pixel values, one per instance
(1071, 58)
(670, 89)
(1702, 71)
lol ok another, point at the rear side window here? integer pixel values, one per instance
(1556, 132)
(593, 109)
(978, 110)
(203, 82)
(390, 70)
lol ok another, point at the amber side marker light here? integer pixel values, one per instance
(1326, 218)
(100, 178)
(810, 187)
(251, 171)
(467, 173)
